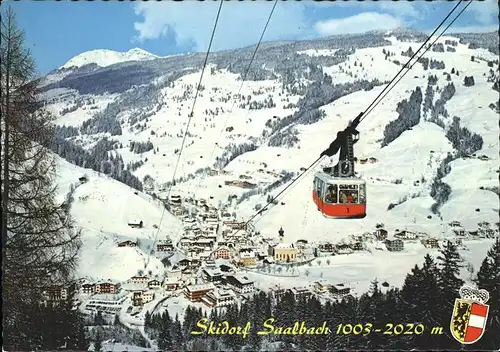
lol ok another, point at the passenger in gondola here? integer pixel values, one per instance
(331, 196)
(349, 198)
(343, 197)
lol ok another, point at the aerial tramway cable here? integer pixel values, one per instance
(374, 103)
(426, 50)
(239, 91)
(187, 127)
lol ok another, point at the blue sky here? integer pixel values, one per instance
(58, 31)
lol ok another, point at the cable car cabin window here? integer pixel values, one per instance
(331, 195)
(348, 194)
(319, 188)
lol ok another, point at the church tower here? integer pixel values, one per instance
(281, 234)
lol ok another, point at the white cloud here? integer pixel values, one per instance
(485, 12)
(399, 8)
(240, 23)
(360, 23)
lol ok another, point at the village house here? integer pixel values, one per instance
(211, 275)
(356, 246)
(141, 297)
(241, 184)
(395, 245)
(327, 247)
(343, 248)
(175, 200)
(154, 284)
(459, 232)
(127, 243)
(248, 258)
(381, 234)
(321, 287)
(372, 160)
(87, 288)
(58, 293)
(205, 255)
(195, 292)
(185, 242)
(240, 284)
(430, 243)
(109, 303)
(179, 211)
(235, 225)
(184, 263)
(219, 298)
(278, 291)
(106, 287)
(174, 273)
(137, 298)
(340, 289)
(164, 246)
(406, 235)
(222, 252)
(300, 244)
(193, 252)
(139, 280)
(226, 268)
(136, 224)
(301, 292)
(171, 284)
(261, 254)
(203, 242)
(148, 296)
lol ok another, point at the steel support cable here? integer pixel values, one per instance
(244, 77)
(373, 104)
(187, 127)
(426, 50)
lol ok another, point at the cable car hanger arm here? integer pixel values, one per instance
(344, 143)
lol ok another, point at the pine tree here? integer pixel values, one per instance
(97, 341)
(39, 248)
(420, 299)
(488, 278)
(449, 281)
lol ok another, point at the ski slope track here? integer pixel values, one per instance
(402, 174)
(102, 209)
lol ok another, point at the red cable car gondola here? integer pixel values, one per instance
(339, 197)
(337, 192)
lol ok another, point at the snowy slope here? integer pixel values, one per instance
(103, 57)
(415, 155)
(102, 208)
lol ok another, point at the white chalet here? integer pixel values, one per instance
(219, 298)
(240, 284)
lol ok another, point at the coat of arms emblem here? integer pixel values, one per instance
(470, 314)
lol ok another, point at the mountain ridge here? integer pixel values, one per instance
(295, 99)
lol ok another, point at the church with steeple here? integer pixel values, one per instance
(284, 252)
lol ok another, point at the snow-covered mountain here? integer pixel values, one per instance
(103, 57)
(434, 138)
(102, 209)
